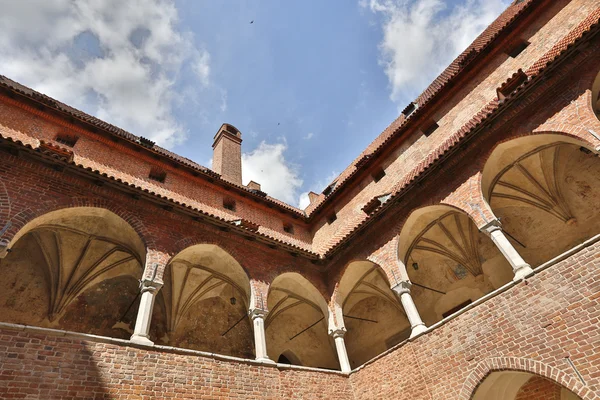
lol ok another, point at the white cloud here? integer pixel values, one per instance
(421, 37)
(267, 165)
(114, 59)
(223, 106)
(309, 136)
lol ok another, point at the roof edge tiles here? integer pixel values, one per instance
(140, 141)
(511, 15)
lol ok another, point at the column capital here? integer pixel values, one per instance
(492, 226)
(336, 333)
(402, 287)
(148, 285)
(257, 313)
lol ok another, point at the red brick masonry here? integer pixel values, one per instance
(530, 327)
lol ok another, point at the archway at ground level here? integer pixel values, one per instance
(297, 323)
(449, 261)
(204, 302)
(75, 269)
(545, 190)
(372, 314)
(515, 385)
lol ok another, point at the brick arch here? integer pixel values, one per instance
(334, 304)
(497, 364)
(567, 133)
(21, 219)
(230, 250)
(415, 209)
(5, 205)
(227, 246)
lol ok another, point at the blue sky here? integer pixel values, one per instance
(309, 83)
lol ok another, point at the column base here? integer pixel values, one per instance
(139, 339)
(266, 361)
(417, 330)
(522, 272)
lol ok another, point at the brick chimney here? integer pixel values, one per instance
(227, 154)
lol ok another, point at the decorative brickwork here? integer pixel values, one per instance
(462, 244)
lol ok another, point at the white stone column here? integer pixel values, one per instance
(520, 268)
(260, 343)
(340, 346)
(416, 323)
(149, 289)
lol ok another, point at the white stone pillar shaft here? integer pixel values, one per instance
(520, 268)
(144, 316)
(340, 346)
(260, 343)
(416, 323)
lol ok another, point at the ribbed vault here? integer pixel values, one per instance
(372, 314)
(545, 190)
(204, 303)
(74, 269)
(297, 323)
(449, 261)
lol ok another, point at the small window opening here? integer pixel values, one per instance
(456, 309)
(331, 218)
(329, 189)
(283, 360)
(508, 87)
(517, 48)
(157, 174)
(66, 139)
(287, 227)
(378, 174)
(430, 128)
(229, 204)
(409, 109)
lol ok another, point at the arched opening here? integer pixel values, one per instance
(204, 303)
(297, 323)
(596, 96)
(373, 315)
(514, 385)
(288, 357)
(75, 269)
(449, 261)
(545, 190)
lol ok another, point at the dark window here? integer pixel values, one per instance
(157, 174)
(378, 174)
(287, 227)
(283, 360)
(329, 189)
(517, 48)
(409, 109)
(456, 309)
(331, 218)
(430, 128)
(229, 204)
(66, 139)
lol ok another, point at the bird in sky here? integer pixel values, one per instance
(252, 21)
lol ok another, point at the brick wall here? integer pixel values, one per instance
(42, 366)
(531, 327)
(538, 388)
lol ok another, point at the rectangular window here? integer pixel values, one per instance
(331, 218)
(517, 48)
(430, 127)
(157, 174)
(229, 204)
(287, 227)
(66, 139)
(378, 174)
